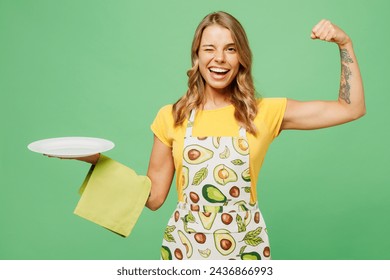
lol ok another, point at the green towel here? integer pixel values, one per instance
(113, 196)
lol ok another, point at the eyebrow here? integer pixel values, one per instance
(211, 45)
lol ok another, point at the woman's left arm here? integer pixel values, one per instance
(350, 104)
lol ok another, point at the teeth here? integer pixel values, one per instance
(218, 70)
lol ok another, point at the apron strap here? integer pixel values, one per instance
(190, 123)
(242, 132)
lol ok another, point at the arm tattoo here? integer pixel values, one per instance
(346, 73)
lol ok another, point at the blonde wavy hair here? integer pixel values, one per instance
(242, 89)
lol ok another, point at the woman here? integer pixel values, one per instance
(215, 138)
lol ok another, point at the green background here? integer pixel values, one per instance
(104, 68)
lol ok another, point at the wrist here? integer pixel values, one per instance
(345, 44)
(95, 159)
(92, 159)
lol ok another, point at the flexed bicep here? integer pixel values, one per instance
(350, 104)
(305, 115)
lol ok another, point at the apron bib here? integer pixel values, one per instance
(216, 219)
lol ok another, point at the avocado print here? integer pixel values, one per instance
(250, 256)
(178, 254)
(196, 154)
(266, 252)
(200, 176)
(205, 253)
(207, 219)
(241, 205)
(200, 237)
(216, 216)
(213, 194)
(246, 175)
(186, 242)
(241, 226)
(241, 146)
(212, 208)
(166, 253)
(247, 218)
(252, 237)
(168, 233)
(194, 197)
(256, 219)
(224, 174)
(224, 242)
(225, 153)
(234, 191)
(184, 177)
(226, 218)
(216, 142)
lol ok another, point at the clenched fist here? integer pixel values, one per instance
(327, 31)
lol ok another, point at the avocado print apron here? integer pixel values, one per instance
(216, 219)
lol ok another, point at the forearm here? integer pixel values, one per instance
(160, 172)
(92, 159)
(351, 92)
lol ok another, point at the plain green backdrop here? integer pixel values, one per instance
(103, 69)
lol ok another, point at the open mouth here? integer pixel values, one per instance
(218, 71)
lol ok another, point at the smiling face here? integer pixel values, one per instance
(218, 58)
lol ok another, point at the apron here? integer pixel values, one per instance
(216, 219)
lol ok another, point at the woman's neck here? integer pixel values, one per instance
(216, 99)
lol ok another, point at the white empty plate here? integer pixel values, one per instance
(69, 147)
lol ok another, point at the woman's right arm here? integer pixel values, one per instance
(160, 172)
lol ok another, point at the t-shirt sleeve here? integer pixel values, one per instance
(163, 124)
(272, 109)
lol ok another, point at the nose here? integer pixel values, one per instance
(219, 56)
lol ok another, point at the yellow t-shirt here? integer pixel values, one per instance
(221, 122)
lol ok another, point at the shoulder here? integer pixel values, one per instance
(163, 124)
(271, 114)
(166, 109)
(164, 118)
(271, 105)
(165, 112)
